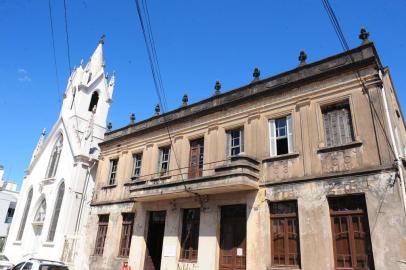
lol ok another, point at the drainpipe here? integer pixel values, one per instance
(395, 149)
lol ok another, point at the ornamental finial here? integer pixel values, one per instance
(157, 109)
(256, 74)
(109, 126)
(363, 35)
(302, 58)
(185, 100)
(217, 87)
(102, 38)
(132, 118)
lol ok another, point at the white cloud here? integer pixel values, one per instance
(23, 75)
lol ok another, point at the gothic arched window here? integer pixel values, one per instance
(41, 212)
(54, 160)
(57, 210)
(93, 101)
(24, 217)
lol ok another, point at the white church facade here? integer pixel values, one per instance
(53, 206)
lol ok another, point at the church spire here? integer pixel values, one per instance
(39, 145)
(96, 62)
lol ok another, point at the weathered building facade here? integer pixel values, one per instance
(297, 171)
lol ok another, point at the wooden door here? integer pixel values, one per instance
(196, 158)
(156, 228)
(233, 231)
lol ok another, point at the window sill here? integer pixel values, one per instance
(283, 268)
(109, 186)
(281, 157)
(350, 145)
(163, 177)
(48, 244)
(187, 261)
(49, 180)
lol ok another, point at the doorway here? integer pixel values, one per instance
(156, 230)
(233, 231)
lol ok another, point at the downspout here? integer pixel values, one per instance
(395, 149)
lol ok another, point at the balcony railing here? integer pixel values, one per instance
(233, 174)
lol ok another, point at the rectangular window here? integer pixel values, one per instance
(235, 142)
(113, 171)
(137, 158)
(10, 214)
(126, 233)
(190, 234)
(285, 234)
(164, 155)
(351, 238)
(101, 234)
(196, 157)
(281, 136)
(337, 124)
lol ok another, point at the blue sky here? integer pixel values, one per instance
(198, 42)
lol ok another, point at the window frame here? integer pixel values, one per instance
(346, 100)
(113, 174)
(56, 213)
(126, 234)
(230, 140)
(28, 202)
(137, 164)
(161, 160)
(286, 217)
(349, 215)
(289, 134)
(102, 229)
(54, 158)
(195, 223)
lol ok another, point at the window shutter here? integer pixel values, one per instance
(272, 136)
(289, 133)
(228, 144)
(242, 140)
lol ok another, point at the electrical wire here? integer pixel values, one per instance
(67, 35)
(54, 51)
(143, 15)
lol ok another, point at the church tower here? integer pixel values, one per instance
(87, 100)
(49, 221)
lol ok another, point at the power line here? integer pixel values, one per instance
(143, 15)
(67, 35)
(337, 27)
(54, 51)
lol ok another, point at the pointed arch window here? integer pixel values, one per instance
(93, 101)
(57, 210)
(24, 217)
(41, 212)
(54, 160)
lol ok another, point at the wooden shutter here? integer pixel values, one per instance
(228, 144)
(272, 138)
(101, 234)
(190, 234)
(289, 133)
(241, 140)
(126, 233)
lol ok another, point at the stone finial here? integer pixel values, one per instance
(185, 100)
(256, 73)
(132, 118)
(44, 131)
(217, 87)
(157, 109)
(81, 62)
(363, 35)
(109, 126)
(302, 58)
(102, 38)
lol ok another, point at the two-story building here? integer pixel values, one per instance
(302, 170)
